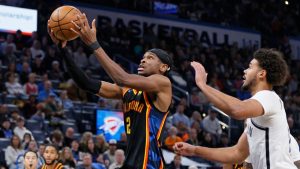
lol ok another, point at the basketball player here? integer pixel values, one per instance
(30, 160)
(146, 96)
(51, 156)
(294, 153)
(266, 137)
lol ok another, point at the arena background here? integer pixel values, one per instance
(220, 34)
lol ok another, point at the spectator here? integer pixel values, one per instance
(180, 116)
(36, 50)
(55, 72)
(3, 112)
(176, 163)
(193, 137)
(26, 140)
(84, 140)
(37, 66)
(86, 162)
(91, 149)
(40, 153)
(211, 123)
(119, 159)
(45, 93)
(110, 153)
(24, 72)
(81, 58)
(5, 130)
(13, 87)
(64, 102)
(69, 137)
(172, 138)
(20, 129)
(30, 87)
(12, 151)
(101, 144)
(196, 118)
(30, 107)
(224, 141)
(75, 149)
(66, 158)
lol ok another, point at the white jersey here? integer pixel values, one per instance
(268, 135)
(295, 152)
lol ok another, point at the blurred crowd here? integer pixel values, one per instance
(40, 103)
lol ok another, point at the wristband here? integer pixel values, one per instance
(94, 46)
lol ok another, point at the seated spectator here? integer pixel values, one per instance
(37, 66)
(45, 93)
(180, 116)
(66, 158)
(224, 141)
(172, 138)
(40, 153)
(101, 144)
(5, 130)
(86, 162)
(92, 150)
(68, 137)
(30, 88)
(36, 50)
(86, 136)
(193, 137)
(64, 102)
(20, 129)
(119, 159)
(211, 124)
(12, 151)
(25, 71)
(13, 87)
(3, 112)
(196, 118)
(55, 72)
(176, 163)
(56, 138)
(75, 149)
(110, 153)
(26, 140)
(30, 107)
(80, 58)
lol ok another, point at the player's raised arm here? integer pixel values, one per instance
(93, 86)
(152, 67)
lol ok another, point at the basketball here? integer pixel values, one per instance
(60, 22)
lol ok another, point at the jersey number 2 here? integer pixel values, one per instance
(128, 131)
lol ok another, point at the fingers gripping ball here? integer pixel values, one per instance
(60, 22)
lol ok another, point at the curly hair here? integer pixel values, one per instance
(276, 67)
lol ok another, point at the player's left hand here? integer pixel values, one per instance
(201, 75)
(86, 33)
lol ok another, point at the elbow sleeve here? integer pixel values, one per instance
(81, 79)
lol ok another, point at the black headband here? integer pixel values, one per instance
(163, 56)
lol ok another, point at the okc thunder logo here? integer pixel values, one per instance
(111, 125)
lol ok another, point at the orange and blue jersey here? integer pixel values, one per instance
(57, 166)
(143, 126)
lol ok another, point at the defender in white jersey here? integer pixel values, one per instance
(266, 140)
(294, 154)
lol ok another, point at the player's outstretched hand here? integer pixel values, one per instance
(184, 149)
(86, 33)
(54, 39)
(200, 74)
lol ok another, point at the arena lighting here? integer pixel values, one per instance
(286, 2)
(203, 114)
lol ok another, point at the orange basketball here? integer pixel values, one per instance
(60, 22)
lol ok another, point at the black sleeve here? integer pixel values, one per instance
(81, 79)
